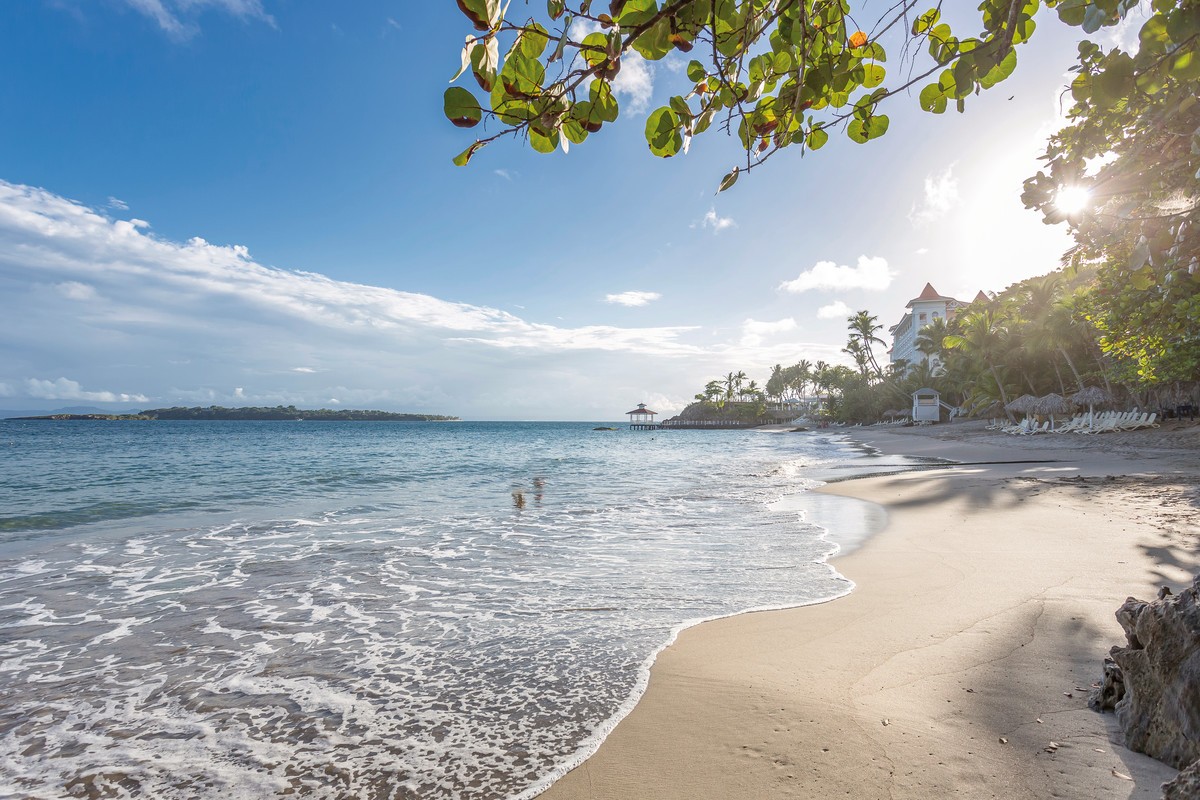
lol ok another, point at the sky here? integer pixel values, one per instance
(252, 202)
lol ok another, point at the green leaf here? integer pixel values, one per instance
(729, 180)
(574, 131)
(462, 158)
(926, 21)
(872, 51)
(656, 42)
(555, 8)
(594, 48)
(1001, 71)
(873, 75)
(533, 40)
(662, 132)
(603, 100)
(461, 107)
(696, 71)
(522, 77)
(935, 96)
(1185, 66)
(485, 57)
(817, 138)
(542, 143)
(478, 12)
(636, 12)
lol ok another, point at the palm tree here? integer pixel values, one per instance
(802, 377)
(983, 335)
(1052, 324)
(776, 384)
(737, 382)
(862, 328)
(713, 392)
(855, 349)
(930, 339)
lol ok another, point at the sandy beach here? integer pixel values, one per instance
(960, 664)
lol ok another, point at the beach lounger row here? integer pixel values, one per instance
(1118, 421)
(1082, 423)
(1026, 427)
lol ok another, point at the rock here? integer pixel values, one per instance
(1160, 668)
(1186, 785)
(1111, 689)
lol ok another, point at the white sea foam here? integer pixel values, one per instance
(441, 640)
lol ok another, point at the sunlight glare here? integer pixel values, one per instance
(1072, 199)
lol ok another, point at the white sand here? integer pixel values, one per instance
(982, 613)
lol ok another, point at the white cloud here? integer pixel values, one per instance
(65, 389)
(239, 393)
(714, 222)
(871, 273)
(835, 310)
(171, 320)
(117, 203)
(89, 245)
(633, 298)
(504, 173)
(635, 82)
(755, 331)
(941, 194)
(394, 24)
(6, 390)
(74, 290)
(921, 251)
(175, 16)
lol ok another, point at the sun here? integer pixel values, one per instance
(1072, 199)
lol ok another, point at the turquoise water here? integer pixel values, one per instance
(366, 610)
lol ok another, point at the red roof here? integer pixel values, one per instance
(928, 293)
(981, 298)
(641, 410)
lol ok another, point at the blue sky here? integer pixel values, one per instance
(250, 202)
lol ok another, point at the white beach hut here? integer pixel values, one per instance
(926, 405)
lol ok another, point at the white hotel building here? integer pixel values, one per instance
(923, 309)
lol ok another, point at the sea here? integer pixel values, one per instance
(374, 609)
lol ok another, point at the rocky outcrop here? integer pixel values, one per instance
(1160, 666)
(1186, 786)
(1153, 684)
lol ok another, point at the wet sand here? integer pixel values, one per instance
(980, 618)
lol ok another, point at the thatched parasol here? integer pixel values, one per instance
(1091, 396)
(1025, 404)
(1053, 404)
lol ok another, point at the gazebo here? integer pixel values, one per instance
(641, 418)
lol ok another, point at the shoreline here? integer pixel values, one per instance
(981, 612)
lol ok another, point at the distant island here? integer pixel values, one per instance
(255, 413)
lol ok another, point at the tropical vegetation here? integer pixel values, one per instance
(1043, 335)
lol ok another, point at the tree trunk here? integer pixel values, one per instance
(1003, 394)
(1058, 373)
(1067, 357)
